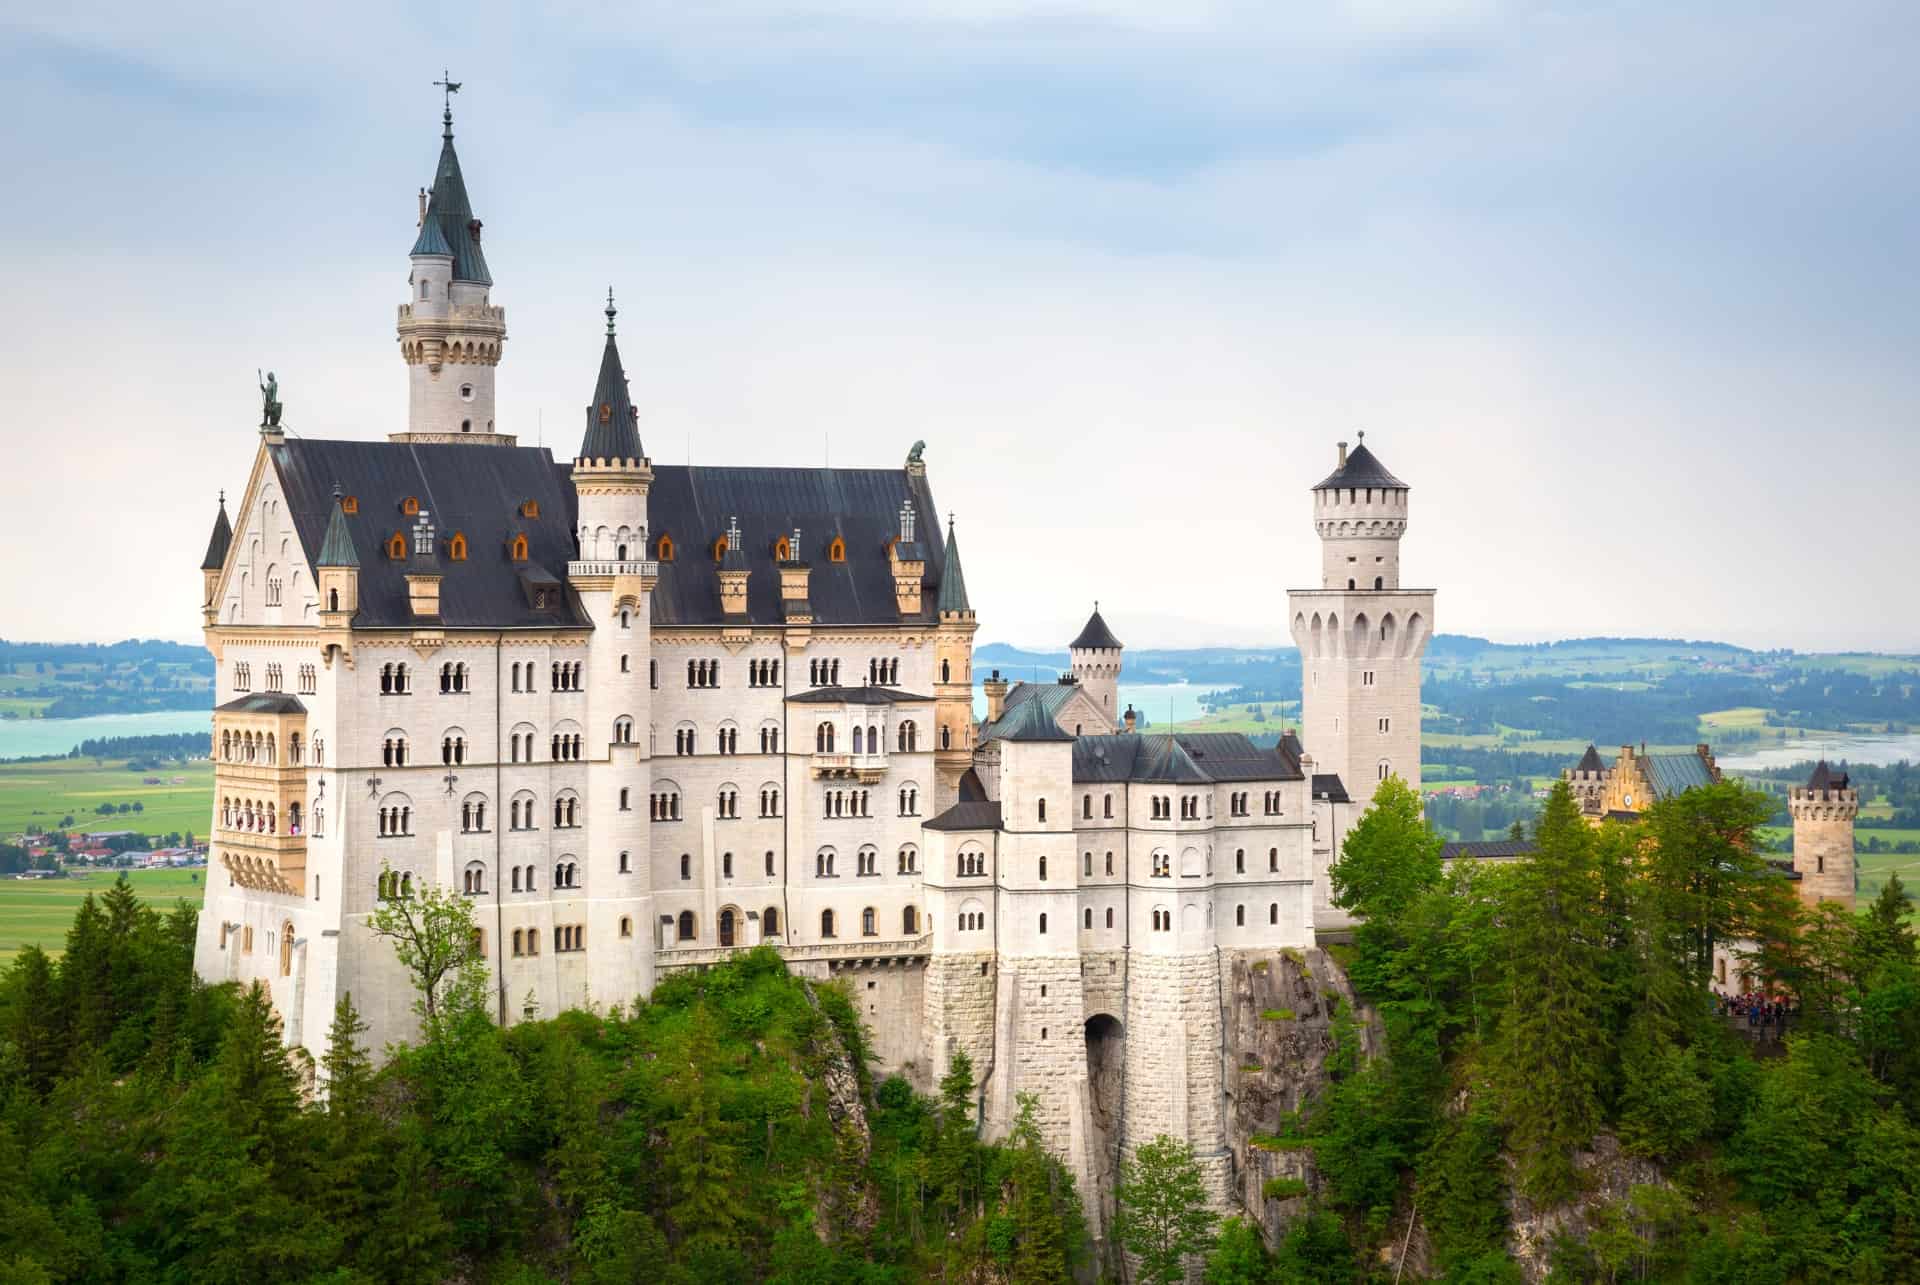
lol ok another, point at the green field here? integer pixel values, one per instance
(1280, 715)
(36, 912)
(40, 794)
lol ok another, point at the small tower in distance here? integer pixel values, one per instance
(215, 562)
(953, 677)
(450, 332)
(1095, 658)
(1823, 814)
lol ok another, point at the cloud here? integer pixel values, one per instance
(1615, 288)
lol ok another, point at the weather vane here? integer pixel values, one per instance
(448, 87)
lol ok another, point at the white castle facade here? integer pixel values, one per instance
(646, 716)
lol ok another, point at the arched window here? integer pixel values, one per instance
(1043, 924)
(837, 550)
(410, 506)
(686, 925)
(1379, 582)
(664, 549)
(770, 922)
(856, 738)
(1109, 916)
(910, 921)
(457, 547)
(396, 547)
(1042, 808)
(823, 738)
(518, 549)
(1240, 916)
(686, 865)
(286, 948)
(1273, 913)
(1043, 870)
(826, 923)
(869, 925)
(726, 926)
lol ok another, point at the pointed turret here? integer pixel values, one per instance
(450, 224)
(1096, 636)
(953, 582)
(613, 425)
(221, 539)
(338, 568)
(1095, 656)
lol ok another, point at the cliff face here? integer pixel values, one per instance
(1278, 1019)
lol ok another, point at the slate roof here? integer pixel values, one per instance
(337, 550)
(452, 214)
(968, 816)
(1494, 850)
(1329, 786)
(475, 490)
(613, 425)
(263, 703)
(953, 585)
(856, 696)
(692, 505)
(1619, 814)
(1590, 761)
(1096, 634)
(1363, 468)
(1826, 778)
(1028, 721)
(1177, 758)
(1672, 774)
(971, 788)
(1052, 697)
(219, 542)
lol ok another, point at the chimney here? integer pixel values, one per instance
(1343, 455)
(1129, 716)
(422, 220)
(996, 689)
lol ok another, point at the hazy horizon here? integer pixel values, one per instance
(1616, 291)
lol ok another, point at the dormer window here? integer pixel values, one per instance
(606, 413)
(529, 508)
(665, 550)
(720, 548)
(518, 549)
(410, 506)
(350, 504)
(782, 550)
(837, 551)
(397, 547)
(457, 547)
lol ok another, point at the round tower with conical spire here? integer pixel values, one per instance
(1095, 660)
(451, 334)
(953, 677)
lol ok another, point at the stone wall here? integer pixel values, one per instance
(890, 998)
(958, 1007)
(1173, 1061)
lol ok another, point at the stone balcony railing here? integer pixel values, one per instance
(865, 767)
(282, 846)
(258, 773)
(578, 570)
(487, 314)
(860, 950)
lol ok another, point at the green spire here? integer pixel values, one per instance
(953, 583)
(450, 227)
(336, 550)
(218, 543)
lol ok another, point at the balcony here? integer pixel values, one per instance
(580, 570)
(864, 768)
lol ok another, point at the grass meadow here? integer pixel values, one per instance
(37, 912)
(40, 794)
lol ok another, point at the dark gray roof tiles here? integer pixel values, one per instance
(613, 425)
(450, 209)
(1590, 761)
(693, 504)
(1328, 786)
(1177, 758)
(1826, 778)
(968, 816)
(1095, 634)
(1363, 468)
(477, 491)
(856, 696)
(1492, 850)
(263, 703)
(219, 542)
(972, 789)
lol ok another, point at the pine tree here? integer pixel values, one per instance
(1045, 1208)
(347, 1067)
(1162, 1213)
(701, 1163)
(86, 978)
(1553, 1057)
(953, 1169)
(36, 1020)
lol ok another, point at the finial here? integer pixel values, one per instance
(1363, 434)
(223, 497)
(612, 312)
(448, 88)
(338, 494)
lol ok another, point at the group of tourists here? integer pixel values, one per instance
(1766, 1014)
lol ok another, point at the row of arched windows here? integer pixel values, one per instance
(566, 748)
(763, 673)
(453, 677)
(823, 673)
(395, 884)
(566, 675)
(394, 679)
(847, 803)
(253, 816)
(703, 673)
(883, 672)
(453, 750)
(396, 821)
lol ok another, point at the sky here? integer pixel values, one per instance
(1625, 291)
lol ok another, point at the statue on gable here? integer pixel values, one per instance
(913, 456)
(269, 401)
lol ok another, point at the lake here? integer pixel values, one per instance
(1853, 749)
(34, 737)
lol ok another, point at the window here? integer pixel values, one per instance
(1109, 916)
(823, 864)
(1386, 724)
(1273, 912)
(663, 550)
(1162, 920)
(1043, 870)
(517, 549)
(1043, 924)
(1273, 860)
(686, 866)
(908, 860)
(1239, 861)
(823, 739)
(1385, 769)
(1109, 862)
(397, 547)
(410, 506)
(1041, 808)
(868, 925)
(910, 921)
(907, 736)
(769, 801)
(837, 550)
(1239, 916)
(1162, 865)
(826, 923)
(686, 925)
(770, 922)
(1366, 678)
(457, 547)
(473, 880)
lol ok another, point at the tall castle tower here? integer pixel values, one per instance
(1095, 657)
(450, 333)
(1823, 814)
(953, 684)
(611, 477)
(1361, 635)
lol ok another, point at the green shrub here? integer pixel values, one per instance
(1279, 1015)
(1283, 1188)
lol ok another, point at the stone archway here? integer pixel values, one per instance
(1106, 1093)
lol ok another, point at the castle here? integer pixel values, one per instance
(645, 716)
